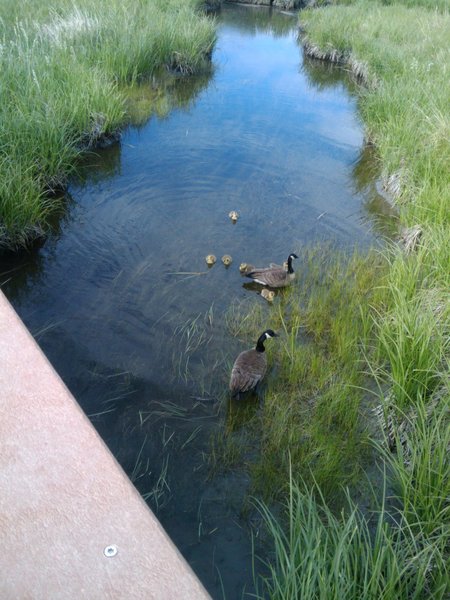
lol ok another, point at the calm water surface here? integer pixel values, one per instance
(141, 342)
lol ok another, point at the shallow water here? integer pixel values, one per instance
(120, 297)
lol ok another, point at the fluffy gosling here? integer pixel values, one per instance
(269, 295)
(245, 268)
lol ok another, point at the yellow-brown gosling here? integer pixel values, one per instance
(234, 215)
(269, 295)
(227, 260)
(250, 366)
(246, 268)
(210, 259)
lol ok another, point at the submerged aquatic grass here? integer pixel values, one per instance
(65, 71)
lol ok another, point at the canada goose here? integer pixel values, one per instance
(274, 276)
(234, 215)
(250, 366)
(227, 260)
(210, 259)
(269, 295)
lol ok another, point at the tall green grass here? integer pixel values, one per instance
(323, 555)
(65, 68)
(412, 332)
(407, 114)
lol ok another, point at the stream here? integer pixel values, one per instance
(120, 297)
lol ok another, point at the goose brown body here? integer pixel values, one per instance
(250, 366)
(274, 276)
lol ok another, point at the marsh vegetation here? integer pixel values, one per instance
(393, 347)
(66, 71)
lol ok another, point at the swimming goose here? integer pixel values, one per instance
(274, 276)
(250, 366)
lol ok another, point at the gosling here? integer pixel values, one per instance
(234, 215)
(269, 295)
(274, 276)
(245, 268)
(210, 259)
(250, 366)
(227, 260)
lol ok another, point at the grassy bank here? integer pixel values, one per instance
(366, 360)
(65, 70)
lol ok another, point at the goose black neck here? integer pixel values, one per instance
(289, 261)
(260, 343)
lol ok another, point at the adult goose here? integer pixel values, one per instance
(274, 276)
(250, 366)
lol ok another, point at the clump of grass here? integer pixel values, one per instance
(142, 473)
(420, 467)
(324, 555)
(227, 451)
(65, 72)
(414, 346)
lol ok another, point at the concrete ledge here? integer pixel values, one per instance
(64, 498)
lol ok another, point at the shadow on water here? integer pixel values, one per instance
(123, 304)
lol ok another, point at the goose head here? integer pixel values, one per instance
(289, 262)
(268, 333)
